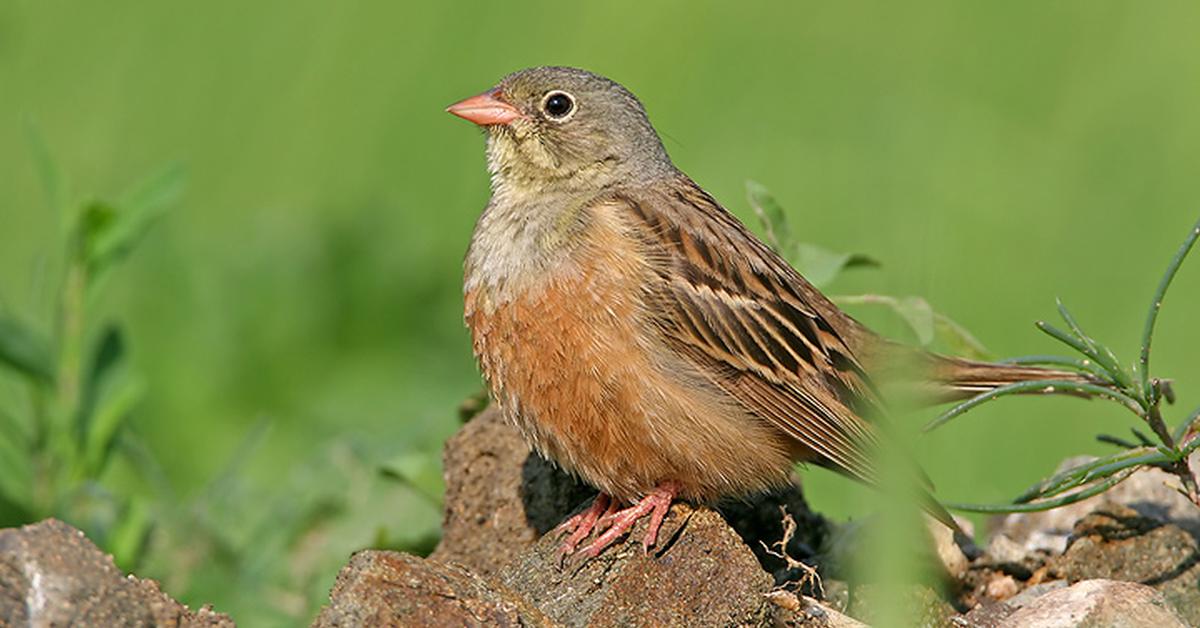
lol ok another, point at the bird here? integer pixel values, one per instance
(641, 337)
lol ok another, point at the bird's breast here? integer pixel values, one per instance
(571, 357)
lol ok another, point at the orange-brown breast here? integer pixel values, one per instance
(569, 358)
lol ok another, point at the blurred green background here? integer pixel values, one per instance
(296, 316)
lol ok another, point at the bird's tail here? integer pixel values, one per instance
(956, 378)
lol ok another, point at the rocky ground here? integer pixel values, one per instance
(1128, 558)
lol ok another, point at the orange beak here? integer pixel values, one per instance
(486, 109)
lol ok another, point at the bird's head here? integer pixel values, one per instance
(556, 127)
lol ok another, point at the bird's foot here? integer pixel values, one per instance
(582, 524)
(617, 523)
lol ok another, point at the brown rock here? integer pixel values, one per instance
(1117, 543)
(702, 574)
(380, 588)
(797, 611)
(500, 497)
(52, 575)
(1097, 603)
(1002, 587)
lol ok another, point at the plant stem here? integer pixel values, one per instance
(1156, 305)
(1043, 385)
(1049, 504)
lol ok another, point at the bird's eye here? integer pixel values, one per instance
(558, 105)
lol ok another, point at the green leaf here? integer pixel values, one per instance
(25, 350)
(111, 413)
(16, 476)
(106, 359)
(156, 194)
(1143, 368)
(128, 537)
(112, 232)
(956, 337)
(918, 314)
(420, 470)
(820, 266)
(1048, 504)
(1035, 386)
(48, 173)
(770, 213)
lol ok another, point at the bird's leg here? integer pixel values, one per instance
(619, 522)
(581, 525)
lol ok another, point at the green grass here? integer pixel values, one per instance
(991, 156)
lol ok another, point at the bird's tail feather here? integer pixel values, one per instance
(959, 379)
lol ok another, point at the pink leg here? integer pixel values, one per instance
(581, 525)
(619, 522)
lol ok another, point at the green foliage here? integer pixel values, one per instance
(55, 455)
(57, 458)
(821, 267)
(1132, 388)
(311, 275)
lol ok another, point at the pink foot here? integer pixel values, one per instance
(582, 524)
(619, 522)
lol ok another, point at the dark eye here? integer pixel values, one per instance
(558, 104)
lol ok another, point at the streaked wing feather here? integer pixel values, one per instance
(727, 303)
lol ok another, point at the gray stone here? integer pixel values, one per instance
(1117, 543)
(1097, 603)
(1151, 492)
(1027, 597)
(52, 575)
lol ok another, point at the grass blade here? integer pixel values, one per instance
(1156, 305)
(1041, 385)
(1102, 354)
(1074, 476)
(25, 350)
(1049, 504)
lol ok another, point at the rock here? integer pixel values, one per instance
(52, 575)
(1151, 492)
(988, 614)
(1030, 594)
(796, 611)
(1001, 549)
(1118, 543)
(947, 550)
(380, 588)
(701, 574)
(1097, 603)
(1002, 587)
(500, 497)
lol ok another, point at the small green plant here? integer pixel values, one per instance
(821, 266)
(80, 388)
(1132, 387)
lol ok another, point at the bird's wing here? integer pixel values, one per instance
(724, 301)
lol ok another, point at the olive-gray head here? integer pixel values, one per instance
(556, 127)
